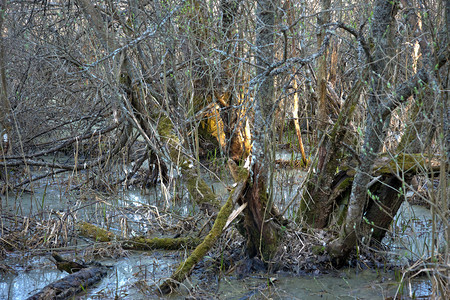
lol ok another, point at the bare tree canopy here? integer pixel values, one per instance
(182, 96)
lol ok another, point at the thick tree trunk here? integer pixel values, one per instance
(319, 196)
(383, 17)
(262, 234)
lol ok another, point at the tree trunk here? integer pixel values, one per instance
(323, 18)
(320, 196)
(365, 205)
(5, 106)
(262, 235)
(383, 18)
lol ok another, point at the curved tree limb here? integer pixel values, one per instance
(185, 268)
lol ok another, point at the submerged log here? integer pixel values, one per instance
(71, 285)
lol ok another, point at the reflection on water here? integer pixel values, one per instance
(346, 284)
(136, 276)
(132, 277)
(126, 278)
(411, 235)
(121, 279)
(32, 275)
(26, 283)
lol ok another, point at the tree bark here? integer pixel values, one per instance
(262, 234)
(5, 105)
(383, 17)
(186, 267)
(323, 18)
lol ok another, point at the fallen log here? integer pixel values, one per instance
(96, 233)
(142, 243)
(71, 284)
(137, 243)
(388, 164)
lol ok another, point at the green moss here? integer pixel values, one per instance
(318, 250)
(165, 128)
(96, 233)
(142, 243)
(199, 190)
(345, 183)
(185, 268)
(386, 164)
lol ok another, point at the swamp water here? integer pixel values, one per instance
(134, 276)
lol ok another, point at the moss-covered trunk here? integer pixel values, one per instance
(319, 196)
(386, 194)
(185, 268)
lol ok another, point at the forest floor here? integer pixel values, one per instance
(39, 222)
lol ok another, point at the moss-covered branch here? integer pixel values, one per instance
(96, 233)
(137, 243)
(185, 268)
(411, 163)
(142, 243)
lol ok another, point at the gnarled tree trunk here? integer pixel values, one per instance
(262, 234)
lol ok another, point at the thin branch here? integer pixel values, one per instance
(150, 31)
(407, 88)
(68, 142)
